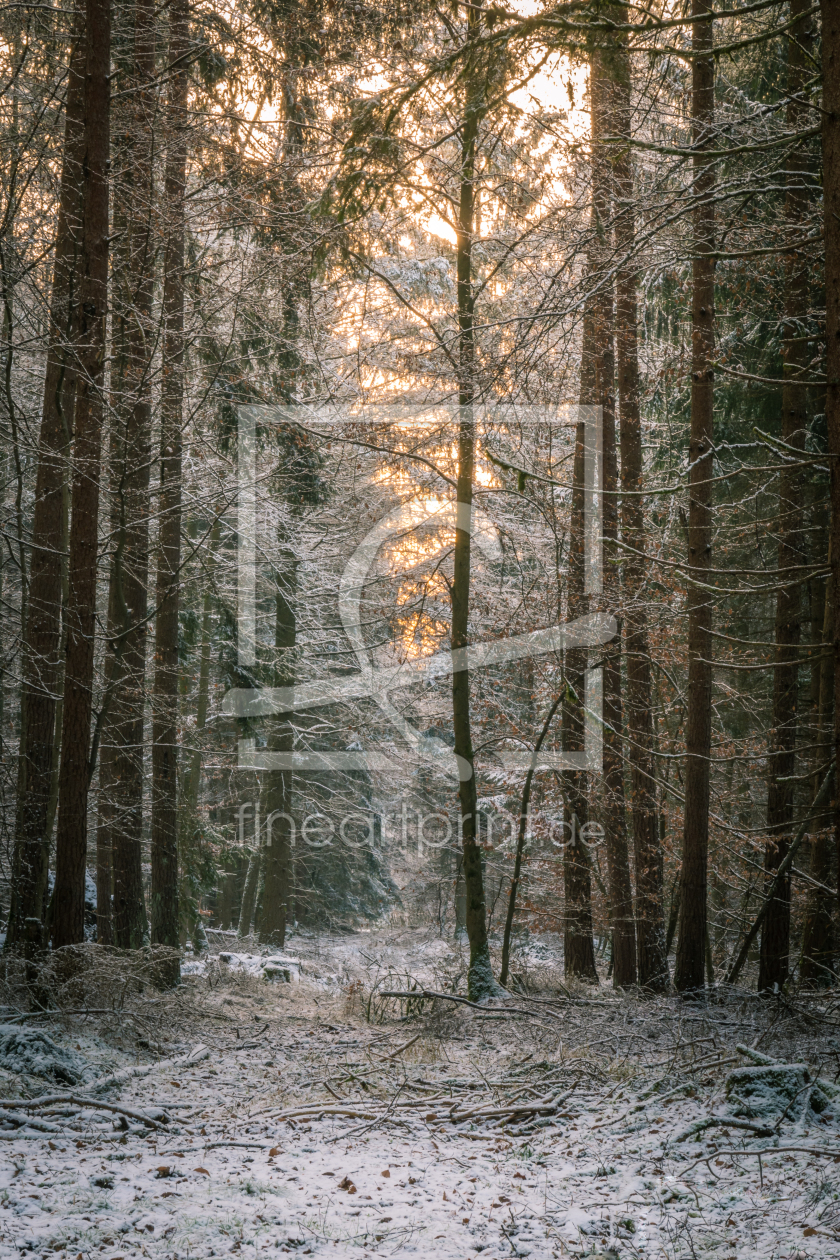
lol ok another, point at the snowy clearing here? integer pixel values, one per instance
(320, 1117)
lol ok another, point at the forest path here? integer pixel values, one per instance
(454, 1133)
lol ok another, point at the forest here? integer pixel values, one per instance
(419, 547)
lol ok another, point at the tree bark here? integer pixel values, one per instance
(691, 943)
(121, 775)
(830, 43)
(165, 697)
(650, 916)
(578, 945)
(249, 896)
(817, 965)
(41, 657)
(480, 981)
(603, 395)
(277, 794)
(821, 801)
(189, 832)
(775, 935)
(74, 775)
(520, 845)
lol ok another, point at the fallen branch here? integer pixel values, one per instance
(310, 1113)
(82, 1010)
(462, 1001)
(17, 1117)
(78, 1100)
(196, 1055)
(765, 1150)
(728, 1122)
(400, 1049)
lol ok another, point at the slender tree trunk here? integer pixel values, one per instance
(249, 897)
(603, 395)
(691, 943)
(650, 917)
(817, 965)
(41, 658)
(165, 713)
(480, 982)
(189, 831)
(775, 934)
(520, 845)
(277, 795)
(579, 947)
(830, 43)
(74, 774)
(131, 446)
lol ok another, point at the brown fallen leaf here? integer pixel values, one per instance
(163, 1170)
(177, 1084)
(347, 1185)
(386, 1173)
(275, 1150)
(202, 1170)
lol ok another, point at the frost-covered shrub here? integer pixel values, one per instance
(32, 1052)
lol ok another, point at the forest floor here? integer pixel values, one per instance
(315, 1116)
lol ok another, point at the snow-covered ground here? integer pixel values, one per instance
(319, 1117)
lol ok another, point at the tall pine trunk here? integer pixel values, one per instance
(817, 964)
(691, 943)
(480, 981)
(189, 832)
(74, 774)
(831, 210)
(578, 945)
(603, 395)
(165, 696)
(277, 793)
(41, 657)
(647, 849)
(121, 774)
(775, 933)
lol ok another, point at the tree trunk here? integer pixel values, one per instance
(817, 965)
(165, 701)
(189, 832)
(579, 947)
(249, 897)
(603, 395)
(650, 918)
(41, 657)
(227, 896)
(524, 807)
(775, 934)
(814, 814)
(691, 943)
(122, 787)
(831, 210)
(74, 774)
(277, 794)
(480, 981)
